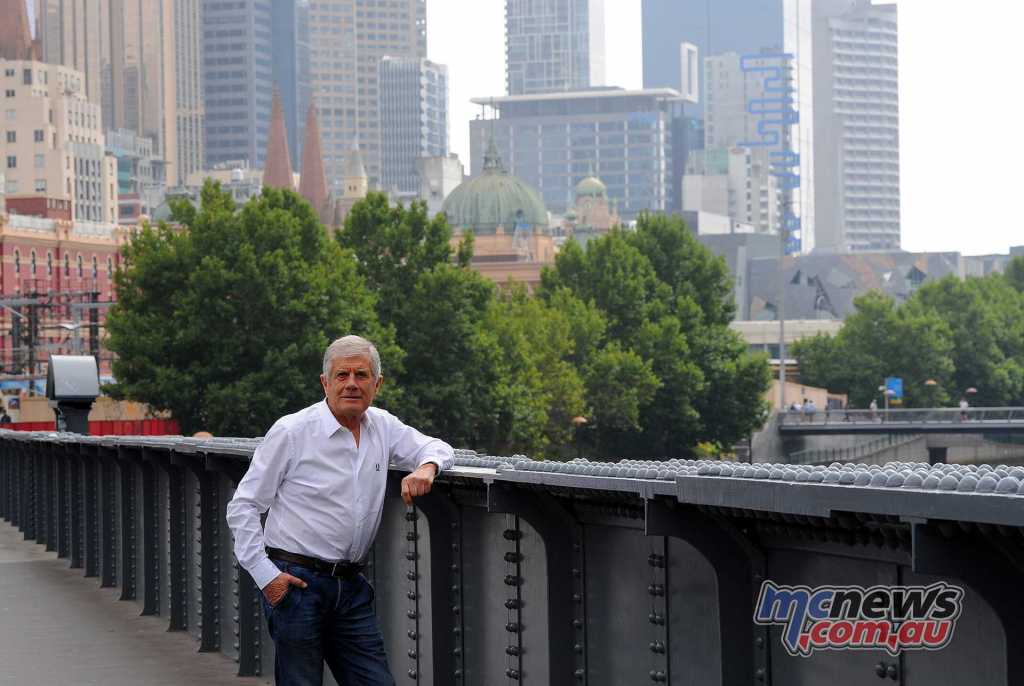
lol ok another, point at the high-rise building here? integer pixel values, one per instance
(249, 48)
(714, 26)
(190, 112)
(553, 141)
(846, 82)
(75, 33)
(553, 45)
(414, 114)
(290, 50)
(15, 33)
(348, 38)
(53, 149)
(734, 175)
(140, 60)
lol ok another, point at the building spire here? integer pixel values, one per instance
(277, 166)
(15, 34)
(312, 183)
(492, 158)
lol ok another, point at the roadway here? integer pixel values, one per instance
(58, 627)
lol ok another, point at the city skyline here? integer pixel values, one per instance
(966, 176)
(977, 214)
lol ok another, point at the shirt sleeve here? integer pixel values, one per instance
(409, 449)
(255, 494)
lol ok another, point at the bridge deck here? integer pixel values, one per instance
(57, 627)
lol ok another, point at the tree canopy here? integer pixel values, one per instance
(626, 347)
(225, 322)
(956, 333)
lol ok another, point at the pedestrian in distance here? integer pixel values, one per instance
(963, 409)
(320, 474)
(810, 408)
(873, 409)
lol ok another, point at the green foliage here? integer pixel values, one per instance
(959, 334)
(224, 323)
(667, 302)
(1015, 273)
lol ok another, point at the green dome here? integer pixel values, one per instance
(591, 186)
(493, 199)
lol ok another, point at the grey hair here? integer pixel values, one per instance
(352, 346)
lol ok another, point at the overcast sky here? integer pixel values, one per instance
(960, 141)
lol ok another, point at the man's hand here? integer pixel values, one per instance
(419, 482)
(275, 590)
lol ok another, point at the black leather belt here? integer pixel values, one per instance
(343, 569)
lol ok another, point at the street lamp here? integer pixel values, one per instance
(72, 329)
(579, 422)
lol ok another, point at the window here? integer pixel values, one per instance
(40, 161)
(27, 77)
(95, 268)
(49, 263)
(12, 161)
(40, 186)
(12, 115)
(80, 265)
(8, 72)
(11, 187)
(12, 136)
(38, 136)
(9, 92)
(32, 262)
(17, 261)
(67, 265)
(110, 266)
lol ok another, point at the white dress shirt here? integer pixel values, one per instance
(325, 494)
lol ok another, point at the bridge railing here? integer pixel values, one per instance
(513, 571)
(929, 416)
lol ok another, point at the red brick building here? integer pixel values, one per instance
(51, 270)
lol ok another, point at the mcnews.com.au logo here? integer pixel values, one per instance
(892, 618)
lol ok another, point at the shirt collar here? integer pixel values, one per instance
(330, 424)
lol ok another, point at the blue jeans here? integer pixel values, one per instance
(331, 620)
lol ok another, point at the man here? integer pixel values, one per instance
(321, 472)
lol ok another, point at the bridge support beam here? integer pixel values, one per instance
(739, 570)
(990, 573)
(555, 525)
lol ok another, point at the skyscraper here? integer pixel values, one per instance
(348, 38)
(414, 113)
(190, 113)
(553, 45)
(74, 33)
(140, 60)
(846, 83)
(290, 46)
(714, 26)
(248, 49)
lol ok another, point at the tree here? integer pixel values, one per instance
(1015, 273)
(878, 341)
(225, 322)
(667, 302)
(986, 320)
(545, 389)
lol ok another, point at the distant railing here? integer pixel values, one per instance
(941, 415)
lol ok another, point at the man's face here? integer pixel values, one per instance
(350, 388)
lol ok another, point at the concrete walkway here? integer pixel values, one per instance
(59, 628)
